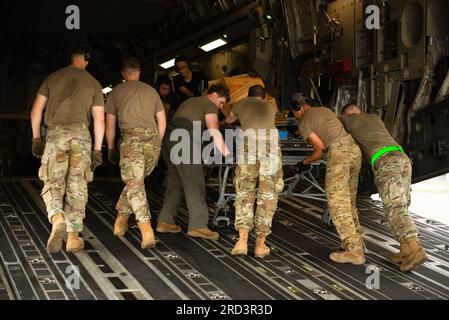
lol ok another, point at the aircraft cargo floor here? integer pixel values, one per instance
(185, 268)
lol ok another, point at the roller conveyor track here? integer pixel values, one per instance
(185, 268)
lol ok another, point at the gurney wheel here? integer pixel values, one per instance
(222, 221)
(326, 217)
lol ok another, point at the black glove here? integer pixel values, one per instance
(37, 147)
(113, 156)
(302, 167)
(97, 159)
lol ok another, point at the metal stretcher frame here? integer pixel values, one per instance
(224, 198)
(307, 177)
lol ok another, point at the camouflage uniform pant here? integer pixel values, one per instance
(139, 153)
(392, 175)
(268, 172)
(344, 160)
(65, 171)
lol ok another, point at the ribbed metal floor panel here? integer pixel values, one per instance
(185, 268)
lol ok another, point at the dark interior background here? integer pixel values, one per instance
(34, 38)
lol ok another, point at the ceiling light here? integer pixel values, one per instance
(168, 64)
(213, 45)
(107, 90)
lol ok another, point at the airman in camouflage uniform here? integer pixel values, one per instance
(68, 96)
(321, 128)
(141, 117)
(262, 165)
(343, 162)
(65, 170)
(139, 153)
(267, 172)
(392, 175)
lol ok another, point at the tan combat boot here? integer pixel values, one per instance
(261, 250)
(204, 233)
(74, 242)
(365, 249)
(403, 252)
(163, 227)
(241, 247)
(416, 257)
(353, 254)
(355, 257)
(121, 225)
(58, 230)
(148, 239)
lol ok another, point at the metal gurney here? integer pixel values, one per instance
(292, 153)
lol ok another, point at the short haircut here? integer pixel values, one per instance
(301, 99)
(80, 47)
(256, 91)
(182, 58)
(347, 106)
(310, 102)
(130, 63)
(163, 79)
(221, 90)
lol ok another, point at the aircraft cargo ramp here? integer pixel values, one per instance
(185, 268)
